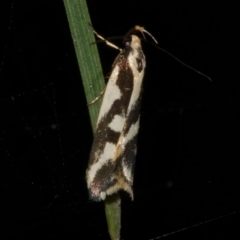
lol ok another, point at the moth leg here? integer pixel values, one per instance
(106, 41)
(97, 98)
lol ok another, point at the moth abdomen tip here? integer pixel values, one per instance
(97, 197)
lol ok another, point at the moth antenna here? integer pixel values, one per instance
(184, 64)
(143, 30)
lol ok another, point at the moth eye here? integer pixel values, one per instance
(127, 41)
(127, 44)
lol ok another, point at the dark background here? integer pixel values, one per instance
(187, 169)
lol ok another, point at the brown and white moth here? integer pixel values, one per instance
(112, 157)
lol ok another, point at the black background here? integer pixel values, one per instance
(187, 169)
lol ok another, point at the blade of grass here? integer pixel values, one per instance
(86, 52)
(93, 81)
(113, 215)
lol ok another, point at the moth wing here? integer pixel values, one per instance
(113, 152)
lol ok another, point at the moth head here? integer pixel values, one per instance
(132, 41)
(137, 32)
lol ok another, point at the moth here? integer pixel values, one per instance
(112, 157)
